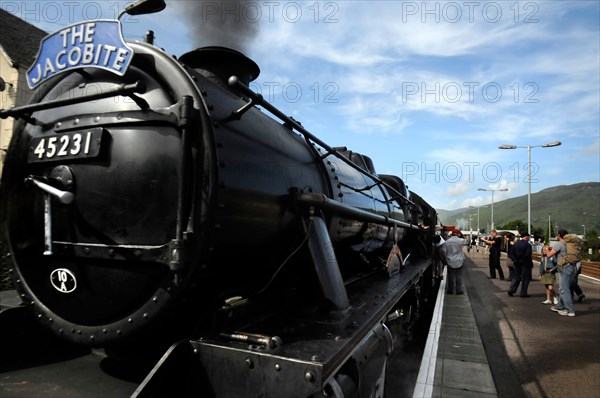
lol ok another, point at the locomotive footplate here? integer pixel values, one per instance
(311, 353)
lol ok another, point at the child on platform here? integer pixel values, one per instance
(548, 269)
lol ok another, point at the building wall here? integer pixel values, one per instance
(17, 93)
(8, 99)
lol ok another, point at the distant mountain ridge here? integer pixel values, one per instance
(571, 207)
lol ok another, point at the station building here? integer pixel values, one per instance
(19, 44)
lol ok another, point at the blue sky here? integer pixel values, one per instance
(428, 90)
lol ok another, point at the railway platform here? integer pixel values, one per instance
(483, 343)
(487, 344)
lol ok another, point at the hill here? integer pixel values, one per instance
(572, 206)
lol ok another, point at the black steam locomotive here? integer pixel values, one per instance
(156, 205)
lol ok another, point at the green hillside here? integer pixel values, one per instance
(571, 205)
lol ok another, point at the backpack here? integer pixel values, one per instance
(574, 248)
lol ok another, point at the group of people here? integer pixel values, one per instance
(519, 253)
(521, 266)
(568, 273)
(450, 253)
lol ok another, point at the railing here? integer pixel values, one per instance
(588, 268)
(591, 268)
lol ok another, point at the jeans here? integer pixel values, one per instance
(566, 274)
(576, 289)
(455, 280)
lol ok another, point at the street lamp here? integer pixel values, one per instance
(549, 228)
(470, 227)
(477, 218)
(548, 145)
(583, 230)
(492, 191)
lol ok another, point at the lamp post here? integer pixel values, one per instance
(470, 227)
(583, 230)
(548, 145)
(477, 217)
(549, 227)
(492, 191)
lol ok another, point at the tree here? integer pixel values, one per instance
(514, 225)
(537, 232)
(548, 234)
(591, 242)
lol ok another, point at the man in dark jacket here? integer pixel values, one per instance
(495, 243)
(521, 256)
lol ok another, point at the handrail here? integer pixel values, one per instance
(138, 87)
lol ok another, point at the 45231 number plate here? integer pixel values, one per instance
(80, 144)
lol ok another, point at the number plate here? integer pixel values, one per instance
(81, 144)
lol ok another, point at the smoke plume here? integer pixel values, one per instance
(227, 23)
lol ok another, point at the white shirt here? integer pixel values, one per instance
(454, 252)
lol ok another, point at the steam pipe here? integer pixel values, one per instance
(326, 265)
(321, 201)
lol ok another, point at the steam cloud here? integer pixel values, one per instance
(227, 23)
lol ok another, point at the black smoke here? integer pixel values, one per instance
(227, 23)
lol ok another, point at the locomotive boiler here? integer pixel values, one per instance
(163, 203)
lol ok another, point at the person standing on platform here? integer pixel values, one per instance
(548, 275)
(510, 241)
(495, 243)
(521, 256)
(438, 257)
(576, 289)
(455, 257)
(567, 274)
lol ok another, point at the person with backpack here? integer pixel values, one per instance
(523, 264)
(568, 253)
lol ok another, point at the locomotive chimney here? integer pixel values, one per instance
(220, 63)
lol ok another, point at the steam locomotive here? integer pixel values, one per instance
(151, 201)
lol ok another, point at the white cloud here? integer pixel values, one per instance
(593, 148)
(459, 188)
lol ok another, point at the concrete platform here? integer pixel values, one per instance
(454, 361)
(487, 344)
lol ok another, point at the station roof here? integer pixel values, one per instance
(19, 39)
